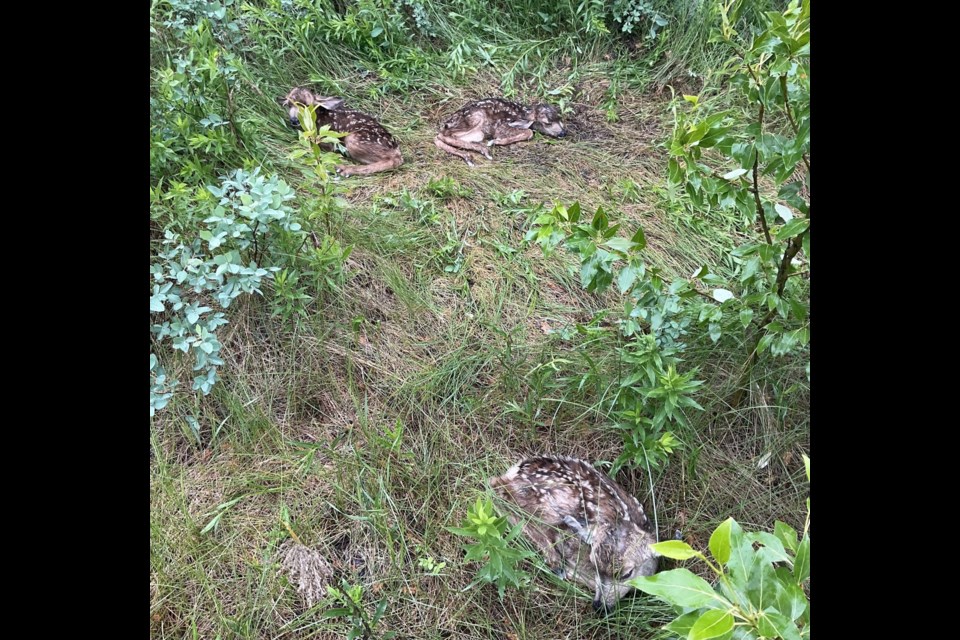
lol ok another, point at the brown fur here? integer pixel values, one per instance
(499, 122)
(368, 142)
(585, 525)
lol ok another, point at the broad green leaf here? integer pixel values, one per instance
(600, 221)
(335, 613)
(682, 588)
(774, 625)
(791, 600)
(628, 275)
(721, 295)
(746, 315)
(772, 544)
(619, 244)
(741, 556)
(720, 541)
(675, 550)
(691, 99)
(699, 273)
(762, 583)
(682, 625)
(712, 624)
(574, 212)
(786, 534)
(674, 172)
(801, 565)
(793, 228)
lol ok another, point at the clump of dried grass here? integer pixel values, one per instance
(306, 568)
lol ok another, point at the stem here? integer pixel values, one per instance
(290, 531)
(756, 185)
(793, 247)
(256, 252)
(230, 110)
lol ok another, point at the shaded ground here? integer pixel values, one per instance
(454, 357)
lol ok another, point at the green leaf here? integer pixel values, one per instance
(335, 613)
(720, 541)
(774, 625)
(639, 239)
(675, 550)
(784, 212)
(155, 304)
(793, 228)
(801, 564)
(733, 175)
(211, 524)
(628, 275)
(682, 625)
(600, 220)
(381, 608)
(806, 465)
(721, 295)
(674, 172)
(712, 624)
(786, 534)
(772, 545)
(691, 99)
(746, 315)
(682, 588)
(790, 598)
(574, 212)
(619, 244)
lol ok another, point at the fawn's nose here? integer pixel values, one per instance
(561, 134)
(295, 123)
(600, 607)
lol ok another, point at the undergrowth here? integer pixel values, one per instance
(338, 365)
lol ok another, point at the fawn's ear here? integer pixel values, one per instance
(577, 527)
(521, 124)
(330, 103)
(281, 100)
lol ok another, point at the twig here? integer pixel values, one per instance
(756, 183)
(256, 257)
(236, 133)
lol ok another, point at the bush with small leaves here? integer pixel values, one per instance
(755, 164)
(250, 223)
(651, 394)
(630, 14)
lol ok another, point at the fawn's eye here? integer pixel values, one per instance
(626, 574)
